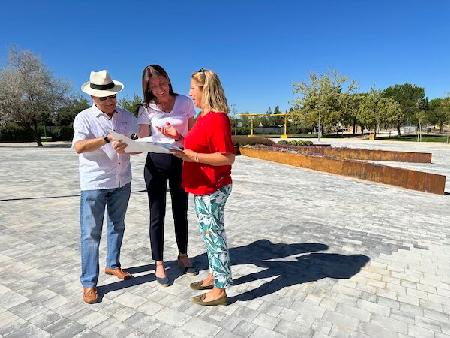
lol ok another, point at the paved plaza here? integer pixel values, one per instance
(314, 255)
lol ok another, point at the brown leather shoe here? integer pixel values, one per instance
(90, 295)
(118, 272)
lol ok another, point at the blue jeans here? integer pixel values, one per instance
(92, 211)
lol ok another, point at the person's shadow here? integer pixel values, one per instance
(287, 264)
(171, 268)
(135, 280)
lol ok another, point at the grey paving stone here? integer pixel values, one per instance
(10, 323)
(112, 327)
(263, 332)
(92, 319)
(65, 328)
(417, 331)
(391, 324)
(172, 317)
(44, 319)
(245, 328)
(292, 329)
(324, 254)
(149, 308)
(357, 313)
(224, 333)
(342, 321)
(200, 328)
(374, 307)
(29, 331)
(142, 323)
(87, 334)
(10, 299)
(376, 329)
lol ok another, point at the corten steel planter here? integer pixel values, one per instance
(364, 154)
(405, 178)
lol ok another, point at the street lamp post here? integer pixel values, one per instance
(233, 116)
(319, 132)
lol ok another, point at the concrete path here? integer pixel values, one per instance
(314, 255)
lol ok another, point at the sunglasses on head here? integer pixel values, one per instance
(104, 98)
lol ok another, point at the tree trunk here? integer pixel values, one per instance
(398, 129)
(441, 127)
(354, 127)
(37, 135)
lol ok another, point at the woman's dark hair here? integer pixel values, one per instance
(149, 72)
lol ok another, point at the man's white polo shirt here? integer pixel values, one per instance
(103, 168)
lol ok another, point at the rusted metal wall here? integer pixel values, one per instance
(365, 154)
(405, 178)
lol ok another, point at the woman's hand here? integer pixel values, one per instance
(169, 131)
(186, 155)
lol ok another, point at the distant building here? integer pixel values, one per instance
(407, 130)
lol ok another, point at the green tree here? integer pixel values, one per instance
(407, 95)
(376, 110)
(350, 103)
(132, 105)
(322, 99)
(439, 112)
(65, 115)
(28, 91)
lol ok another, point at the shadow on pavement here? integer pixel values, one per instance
(171, 269)
(276, 259)
(123, 284)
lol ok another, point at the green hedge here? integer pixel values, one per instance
(60, 133)
(296, 143)
(242, 140)
(12, 132)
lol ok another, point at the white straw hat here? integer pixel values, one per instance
(100, 84)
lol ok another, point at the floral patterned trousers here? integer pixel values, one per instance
(210, 214)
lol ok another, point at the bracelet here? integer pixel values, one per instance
(196, 158)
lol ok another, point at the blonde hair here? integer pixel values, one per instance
(213, 94)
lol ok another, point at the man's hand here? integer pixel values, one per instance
(119, 146)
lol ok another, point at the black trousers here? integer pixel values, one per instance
(159, 169)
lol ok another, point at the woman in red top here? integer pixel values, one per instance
(208, 156)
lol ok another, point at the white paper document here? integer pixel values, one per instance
(144, 145)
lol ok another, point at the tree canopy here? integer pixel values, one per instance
(29, 93)
(323, 99)
(410, 98)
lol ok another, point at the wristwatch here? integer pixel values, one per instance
(106, 139)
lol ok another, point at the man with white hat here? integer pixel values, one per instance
(105, 178)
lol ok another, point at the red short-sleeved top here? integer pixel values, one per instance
(211, 133)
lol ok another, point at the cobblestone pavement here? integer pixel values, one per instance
(314, 255)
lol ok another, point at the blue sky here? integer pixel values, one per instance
(259, 48)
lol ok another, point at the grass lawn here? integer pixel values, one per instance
(413, 138)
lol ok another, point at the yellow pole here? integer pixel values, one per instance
(285, 127)
(251, 126)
